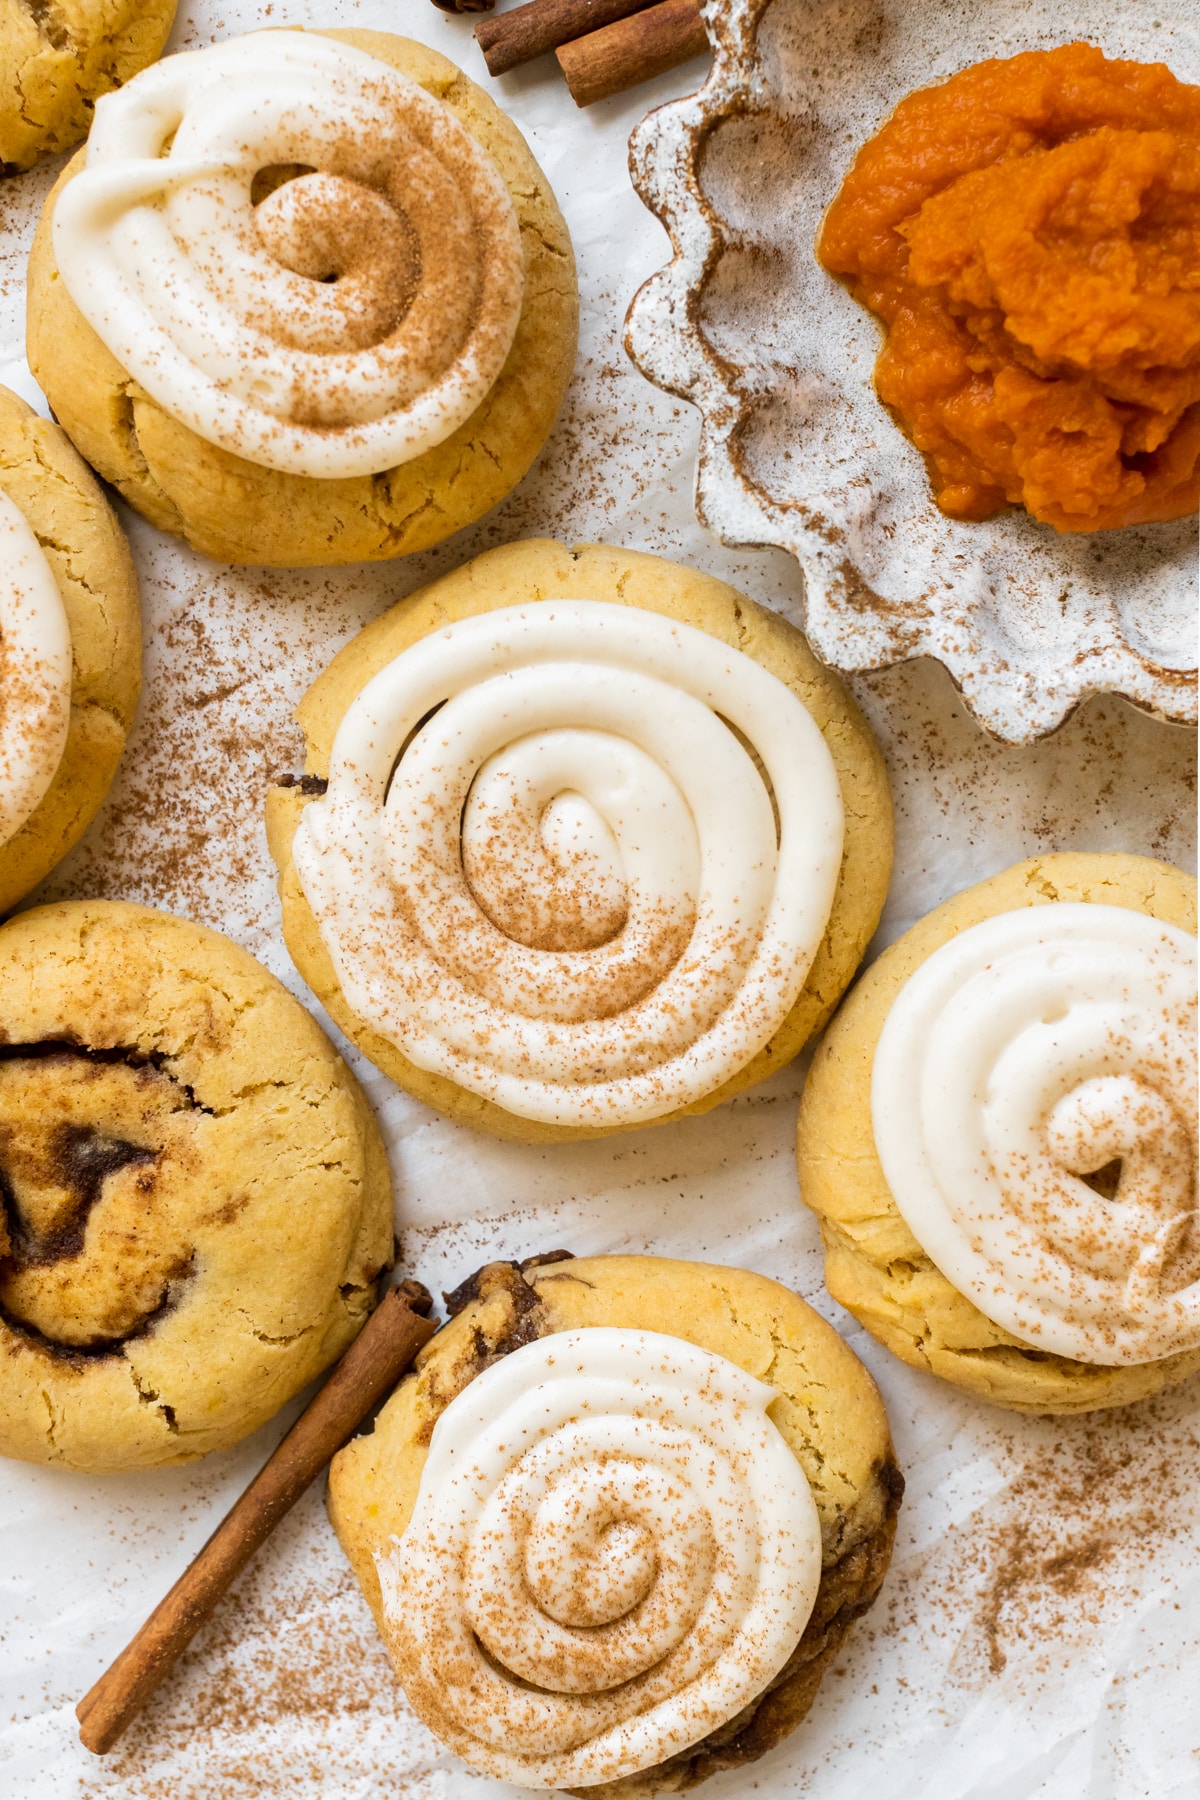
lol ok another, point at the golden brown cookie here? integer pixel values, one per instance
(828, 1411)
(873, 1264)
(62, 502)
(196, 1199)
(57, 60)
(535, 570)
(242, 512)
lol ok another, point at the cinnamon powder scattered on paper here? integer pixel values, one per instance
(287, 1690)
(1050, 1561)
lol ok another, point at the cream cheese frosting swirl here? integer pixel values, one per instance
(1034, 1097)
(613, 1552)
(576, 857)
(335, 323)
(35, 671)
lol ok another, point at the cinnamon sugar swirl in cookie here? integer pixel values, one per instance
(620, 1519)
(576, 858)
(325, 259)
(194, 1199)
(70, 647)
(1028, 1058)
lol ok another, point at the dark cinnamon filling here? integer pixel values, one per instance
(83, 1160)
(90, 1256)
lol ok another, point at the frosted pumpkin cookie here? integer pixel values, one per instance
(307, 298)
(587, 840)
(57, 60)
(617, 1522)
(70, 647)
(195, 1199)
(998, 1136)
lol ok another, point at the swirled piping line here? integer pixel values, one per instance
(35, 671)
(613, 1551)
(1034, 1107)
(575, 857)
(336, 323)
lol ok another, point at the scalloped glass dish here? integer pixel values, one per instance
(797, 451)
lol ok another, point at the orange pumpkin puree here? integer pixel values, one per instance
(1029, 233)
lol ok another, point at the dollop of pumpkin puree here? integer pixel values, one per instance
(1029, 233)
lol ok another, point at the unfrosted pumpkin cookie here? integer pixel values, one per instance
(998, 1136)
(195, 1199)
(70, 647)
(57, 60)
(346, 342)
(587, 840)
(554, 1515)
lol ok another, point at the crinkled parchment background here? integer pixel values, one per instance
(1035, 1635)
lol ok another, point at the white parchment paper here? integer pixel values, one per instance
(1039, 1630)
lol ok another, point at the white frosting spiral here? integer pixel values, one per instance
(548, 868)
(1032, 1051)
(350, 319)
(35, 671)
(613, 1551)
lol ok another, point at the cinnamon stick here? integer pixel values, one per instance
(380, 1354)
(632, 50)
(516, 37)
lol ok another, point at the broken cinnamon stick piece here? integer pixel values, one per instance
(517, 37)
(375, 1361)
(633, 50)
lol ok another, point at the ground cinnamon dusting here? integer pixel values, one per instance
(288, 1692)
(277, 1694)
(228, 655)
(1041, 1574)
